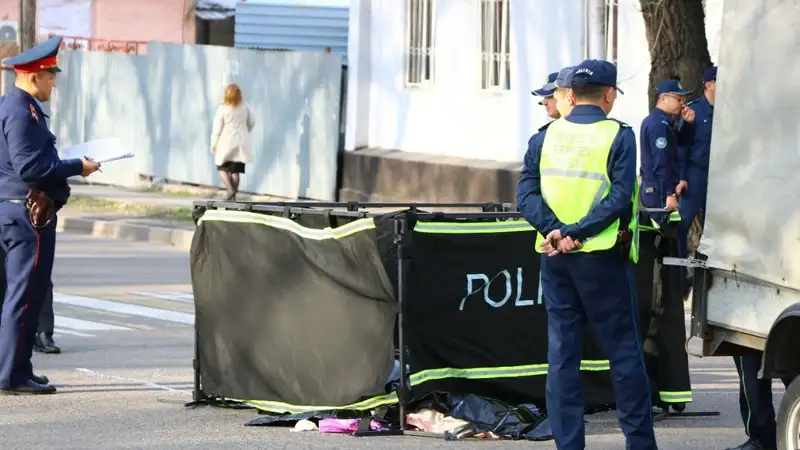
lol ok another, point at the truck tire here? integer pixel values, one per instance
(789, 418)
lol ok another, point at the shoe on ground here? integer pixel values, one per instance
(44, 344)
(40, 379)
(29, 387)
(751, 445)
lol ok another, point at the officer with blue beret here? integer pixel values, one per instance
(546, 92)
(578, 188)
(698, 155)
(33, 187)
(660, 139)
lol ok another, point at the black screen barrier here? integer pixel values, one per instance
(301, 307)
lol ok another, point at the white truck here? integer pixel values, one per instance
(747, 273)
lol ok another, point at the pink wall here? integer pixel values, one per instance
(139, 20)
(143, 20)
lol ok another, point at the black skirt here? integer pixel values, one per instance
(232, 167)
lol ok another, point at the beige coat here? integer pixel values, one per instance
(231, 134)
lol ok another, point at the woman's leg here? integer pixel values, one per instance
(228, 182)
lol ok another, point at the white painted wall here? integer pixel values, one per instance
(453, 117)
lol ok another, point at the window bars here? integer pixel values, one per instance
(419, 42)
(495, 45)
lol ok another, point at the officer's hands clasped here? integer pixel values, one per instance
(555, 243)
(89, 166)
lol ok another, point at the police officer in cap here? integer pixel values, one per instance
(698, 156)
(546, 92)
(562, 94)
(578, 189)
(33, 187)
(660, 137)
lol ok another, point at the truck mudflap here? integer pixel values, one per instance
(781, 358)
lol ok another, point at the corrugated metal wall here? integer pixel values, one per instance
(162, 106)
(303, 28)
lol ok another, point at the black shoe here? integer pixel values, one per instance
(751, 445)
(41, 379)
(29, 388)
(44, 344)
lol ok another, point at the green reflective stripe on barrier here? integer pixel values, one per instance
(283, 223)
(419, 378)
(496, 372)
(509, 226)
(676, 397)
(279, 407)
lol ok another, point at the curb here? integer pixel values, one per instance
(140, 233)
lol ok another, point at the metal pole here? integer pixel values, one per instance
(27, 24)
(20, 8)
(596, 35)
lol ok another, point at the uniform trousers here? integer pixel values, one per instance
(46, 316)
(29, 254)
(597, 289)
(755, 401)
(661, 314)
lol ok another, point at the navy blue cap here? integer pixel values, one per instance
(595, 72)
(710, 74)
(547, 89)
(671, 87)
(563, 76)
(42, 57)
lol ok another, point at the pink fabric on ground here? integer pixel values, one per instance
(344, 425)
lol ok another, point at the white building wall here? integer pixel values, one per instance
(452, 116)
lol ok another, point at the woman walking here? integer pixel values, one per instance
(230, 138)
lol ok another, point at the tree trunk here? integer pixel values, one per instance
(676, 35)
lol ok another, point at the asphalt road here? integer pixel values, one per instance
(124, 323)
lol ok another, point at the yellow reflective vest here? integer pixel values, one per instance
(574, 178)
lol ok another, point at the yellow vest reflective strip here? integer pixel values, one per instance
(574, 177)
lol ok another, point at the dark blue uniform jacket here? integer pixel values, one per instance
(698, 152)
(28, 155)
(662, 159)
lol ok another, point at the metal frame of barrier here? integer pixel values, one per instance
(404, 211)
(496, 211)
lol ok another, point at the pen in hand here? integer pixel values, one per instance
(92, 160)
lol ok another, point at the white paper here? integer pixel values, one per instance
(101, 150)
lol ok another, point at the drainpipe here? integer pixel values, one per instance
(596, 29)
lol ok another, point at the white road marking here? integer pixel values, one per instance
(124, 308)
(57, 331)
(174, 296)
(131, 380)
(85, 325)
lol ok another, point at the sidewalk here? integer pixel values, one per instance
(144, 215)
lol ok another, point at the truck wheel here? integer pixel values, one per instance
(789, 418)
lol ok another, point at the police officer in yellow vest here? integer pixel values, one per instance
(578, 188)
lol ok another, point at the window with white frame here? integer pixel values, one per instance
(495, 45)
(419, 41)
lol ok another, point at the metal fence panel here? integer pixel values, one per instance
(102, 95)
(162, 106)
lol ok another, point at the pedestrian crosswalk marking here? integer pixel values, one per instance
(124, 308)
(174, 296)
(84, 325)
(58, 331)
